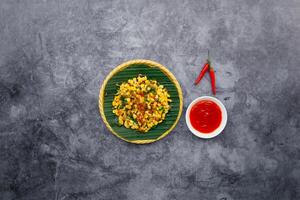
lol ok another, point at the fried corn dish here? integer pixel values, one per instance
(141, 104)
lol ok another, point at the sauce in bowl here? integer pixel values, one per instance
(205, 116)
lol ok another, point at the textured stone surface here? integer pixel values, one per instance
(55, 54)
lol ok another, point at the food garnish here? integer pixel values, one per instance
(202, 73)
(207, 67)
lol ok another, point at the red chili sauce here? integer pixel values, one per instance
(205, 116)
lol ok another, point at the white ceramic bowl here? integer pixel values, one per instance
(215, 132)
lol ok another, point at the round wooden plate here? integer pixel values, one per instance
(131, 69)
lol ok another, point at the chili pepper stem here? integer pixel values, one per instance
(208, 58)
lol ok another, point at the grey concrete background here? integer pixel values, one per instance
(54, 56)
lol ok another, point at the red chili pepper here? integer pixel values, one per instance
(212, 79)
(207, 67)
(202, 73)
